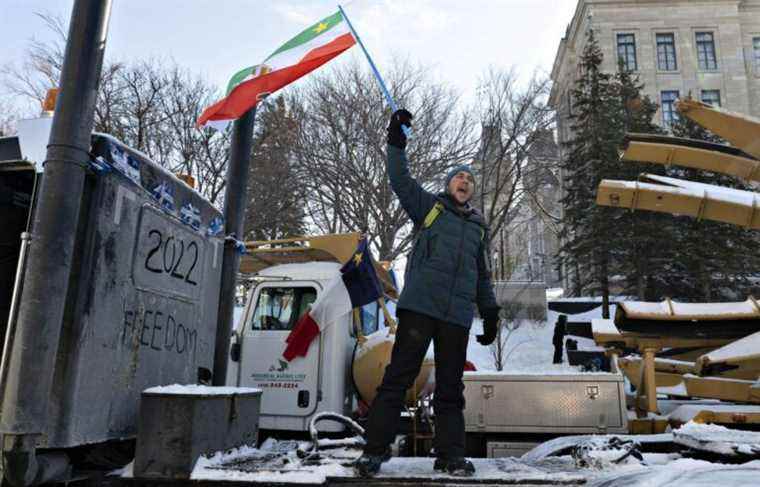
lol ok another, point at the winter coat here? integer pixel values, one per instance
(447, 273)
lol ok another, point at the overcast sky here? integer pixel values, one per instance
(215, 38)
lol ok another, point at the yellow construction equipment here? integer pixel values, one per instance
(739, 130)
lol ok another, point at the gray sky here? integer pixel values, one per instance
(458, 39)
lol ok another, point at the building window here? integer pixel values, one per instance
(711, 97)
(668, 106)
(756, 53)
(626, 45)
(666, 52)
(706, 51)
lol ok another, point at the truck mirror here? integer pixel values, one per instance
(235, 352)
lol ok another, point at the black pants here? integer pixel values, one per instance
(412, 341)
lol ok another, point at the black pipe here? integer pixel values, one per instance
(234, 218)
(31, 364)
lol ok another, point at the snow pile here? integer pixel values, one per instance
(200, 390)
(718, 439)
(684, 473)
(273, 462)
(600, 453)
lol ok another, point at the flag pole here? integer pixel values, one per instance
(383, 88)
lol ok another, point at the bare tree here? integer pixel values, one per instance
(151, 105)
(8, 117)
(41, 68)
(341, 148)
(513, 120)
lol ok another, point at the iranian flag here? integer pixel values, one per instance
(304, 53)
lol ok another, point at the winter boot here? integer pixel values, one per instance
(456, 466)
(368, 465)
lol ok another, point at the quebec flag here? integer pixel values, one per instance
(356, 286)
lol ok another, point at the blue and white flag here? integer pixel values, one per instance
(356, 286)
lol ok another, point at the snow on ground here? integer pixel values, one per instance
(718, 439)
(201, 390)
(529, 348)
(684, 472)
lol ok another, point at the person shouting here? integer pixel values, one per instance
(447, 275)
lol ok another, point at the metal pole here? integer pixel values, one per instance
(235, 199)
(46, 285)
(383, 88)
(55, 221)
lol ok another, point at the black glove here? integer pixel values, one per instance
(396, 136)
(490, 323)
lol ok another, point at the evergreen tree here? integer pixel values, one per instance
(715, 260)
(275, 196)
(588, 243)
(645, 241)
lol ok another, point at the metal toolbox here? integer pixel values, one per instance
(573, 403)
(175, 428)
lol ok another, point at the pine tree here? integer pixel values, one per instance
(592, 155)
(716, 260)
(645, 238)
(276, 202)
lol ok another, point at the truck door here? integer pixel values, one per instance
(290, 388)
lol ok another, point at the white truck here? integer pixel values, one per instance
(287, 276)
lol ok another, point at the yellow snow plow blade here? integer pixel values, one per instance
(668, 373)
(734, 390)
(694, 154)
(739, 359)
(679, 197)
(741, 131)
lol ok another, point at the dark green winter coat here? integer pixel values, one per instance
(447, 272)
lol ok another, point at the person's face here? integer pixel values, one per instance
(461, 187)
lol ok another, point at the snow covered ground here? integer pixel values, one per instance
(529, 349)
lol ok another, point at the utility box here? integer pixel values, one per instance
(178, 424)
(557, 404)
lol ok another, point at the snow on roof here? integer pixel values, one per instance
(200, 390)
(687, 412)
(749, 345)
(320, 271)
(673, 310)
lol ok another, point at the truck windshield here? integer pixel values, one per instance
(278, 308)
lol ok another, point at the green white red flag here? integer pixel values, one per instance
(302, 54)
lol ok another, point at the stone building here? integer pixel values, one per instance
(706, 49)
(709, 49)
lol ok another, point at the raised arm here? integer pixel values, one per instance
(414, 199)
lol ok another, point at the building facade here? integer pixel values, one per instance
(706, 49)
